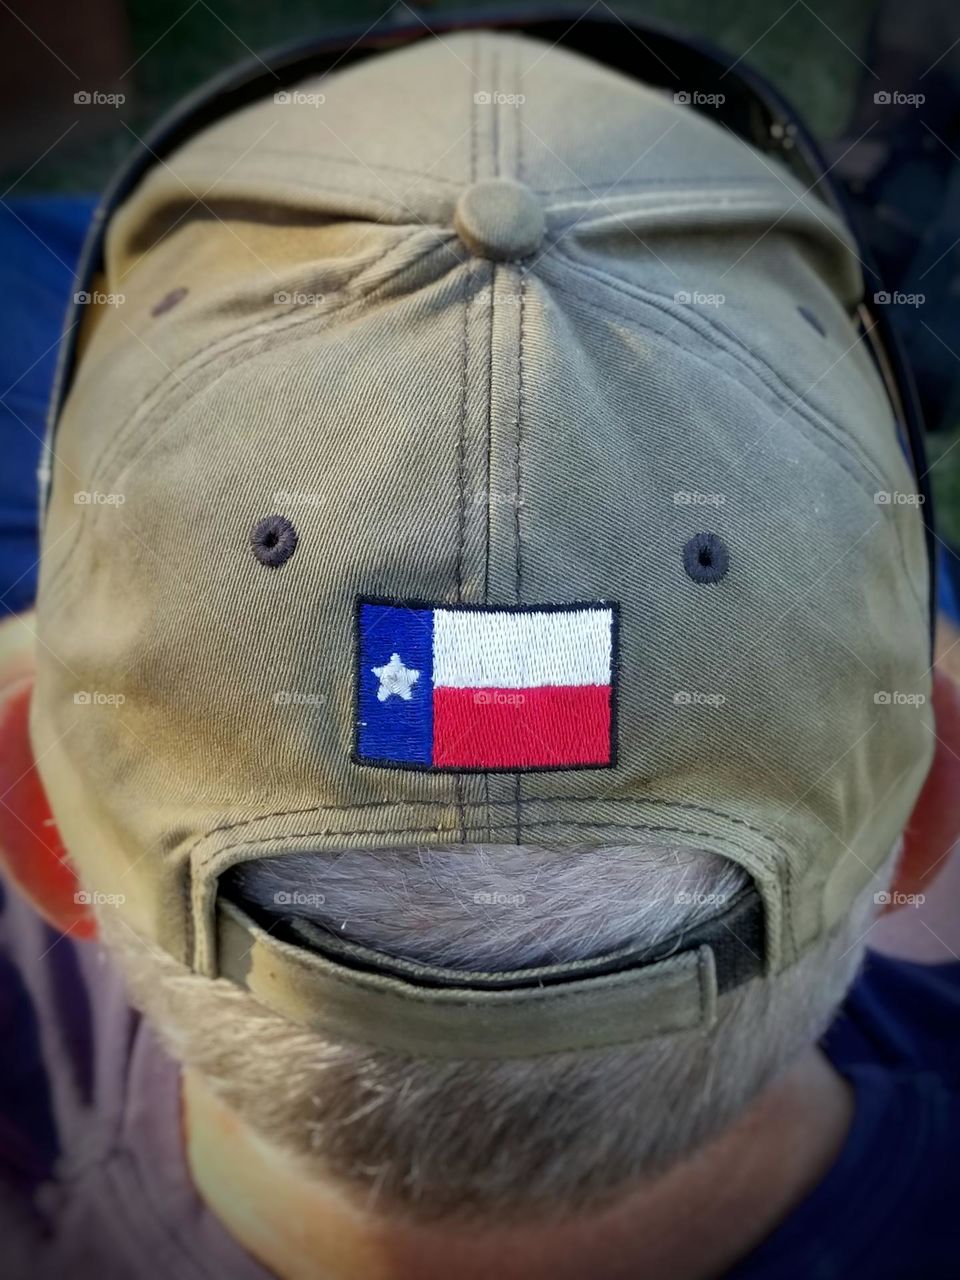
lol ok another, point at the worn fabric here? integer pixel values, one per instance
(290, 324)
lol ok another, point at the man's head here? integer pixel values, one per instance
(486, 496)
(501, 1139)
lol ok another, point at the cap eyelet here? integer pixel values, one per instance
(274, 540)
(812, 320)
(706, 558)
(169, 301)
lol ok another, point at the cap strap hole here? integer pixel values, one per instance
(706, 558)
(274, 540)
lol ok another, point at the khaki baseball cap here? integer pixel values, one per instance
(476, 445)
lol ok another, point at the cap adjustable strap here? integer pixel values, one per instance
(735, 936)
(346, 991)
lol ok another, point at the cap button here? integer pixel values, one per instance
(499, 219)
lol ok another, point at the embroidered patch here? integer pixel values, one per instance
(489, 688)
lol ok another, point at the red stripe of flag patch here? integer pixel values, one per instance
(485, 687)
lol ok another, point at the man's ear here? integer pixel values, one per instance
(934, 826)
(31, 852)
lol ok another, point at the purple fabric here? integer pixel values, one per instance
(81, 1071)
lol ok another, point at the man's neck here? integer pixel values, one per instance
(692, 1224)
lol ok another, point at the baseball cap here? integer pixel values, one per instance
(474, 445)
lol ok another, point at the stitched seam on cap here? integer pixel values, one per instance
(728, 342)
(494, 271)
(518, 535)
(462, 435)
(605, 185)
(837, 458)
(270, 186)
(508, 826)
(682, 806)
(518, 794)
(495, 120)
(474, 66)
(370, 167)
(860, 476)
(519, 441)
(219, 347)
(461, 507)
(225, 347)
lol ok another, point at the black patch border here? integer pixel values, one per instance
(407, 602)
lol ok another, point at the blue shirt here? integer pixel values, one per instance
(885, 1210)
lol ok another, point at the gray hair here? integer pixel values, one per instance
(502, 907)
(518, 1138)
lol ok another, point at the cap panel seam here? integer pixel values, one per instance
(846, 458)
(608, 185)
(518, 535)
(494, 273)
(519, 97)
(220, 346)
(517, 501)
(682, 806)
(420, 830)
(226, 346)
(461, 502)
(474, 67)
(390, 209)
(732, 345)
(372, 167)
(859, 477)
(458, 782)
(495, 76)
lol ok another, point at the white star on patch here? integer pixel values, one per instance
(395, 678)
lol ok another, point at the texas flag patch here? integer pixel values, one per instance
(485, 687)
